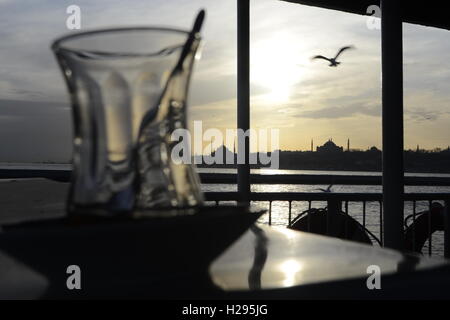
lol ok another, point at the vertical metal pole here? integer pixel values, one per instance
(414, 227)
(334, 208)
(430, 235)
(243, 95)
(392, 98)
(270, 213)
(290, 213)
(447, 229)
(364, 214)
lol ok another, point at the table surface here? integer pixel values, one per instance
(265, 262)
(276, 257)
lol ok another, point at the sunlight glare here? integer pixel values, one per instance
(290, 268)
(276, 66)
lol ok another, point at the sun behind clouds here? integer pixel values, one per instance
(276, 66)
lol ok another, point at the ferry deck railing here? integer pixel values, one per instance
(412, 201)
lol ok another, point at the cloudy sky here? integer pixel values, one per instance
(304, 99)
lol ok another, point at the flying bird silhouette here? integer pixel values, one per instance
(333, 62)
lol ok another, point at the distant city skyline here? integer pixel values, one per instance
(331, 157)
(217, 146)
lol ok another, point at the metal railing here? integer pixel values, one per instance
(414, 203)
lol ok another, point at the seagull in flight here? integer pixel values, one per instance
(333, 62)
(326, 190)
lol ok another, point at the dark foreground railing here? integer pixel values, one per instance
(331, 201)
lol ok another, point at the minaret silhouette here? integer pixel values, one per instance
(348, 145)
(312, 145)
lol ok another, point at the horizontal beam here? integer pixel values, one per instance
(321, 196)
(229, 178)
(320, 179)
(430, 14)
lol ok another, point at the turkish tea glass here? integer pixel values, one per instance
(128, 90)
